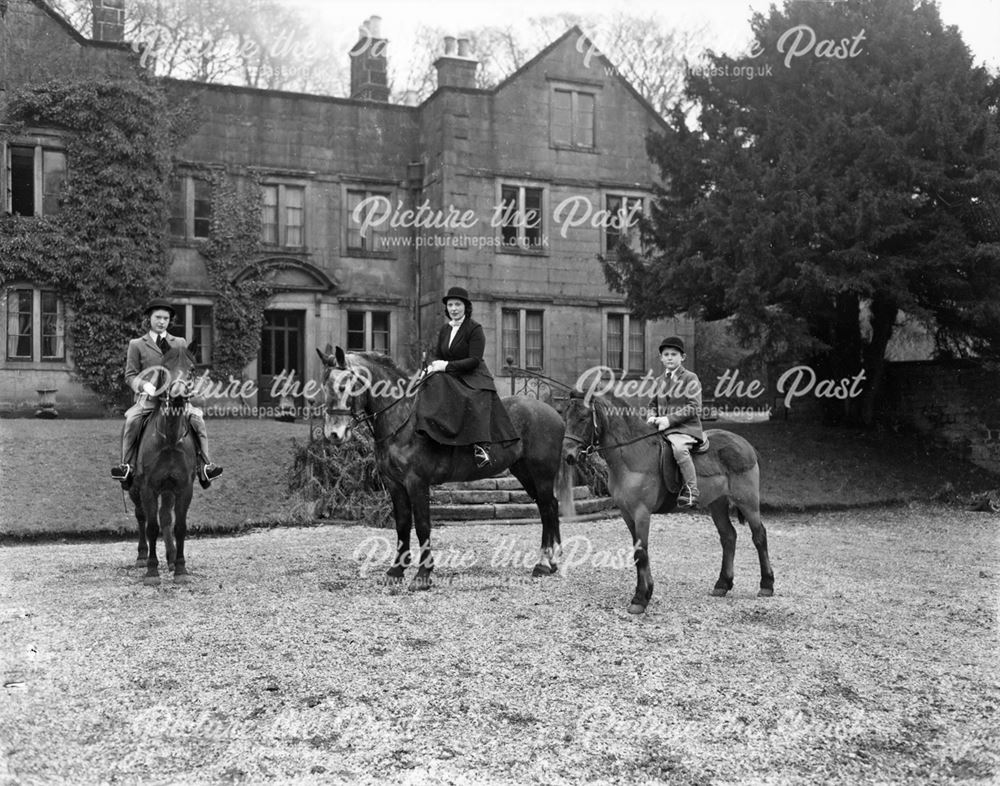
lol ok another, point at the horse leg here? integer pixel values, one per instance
(751, 514)
(638, 527)
(142, 557)
(403, 514)
(548, 510)
(152, 576)
(420, 501)
(180, 532)
(167, 527)
(719, 508)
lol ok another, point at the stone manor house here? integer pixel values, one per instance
(527, 166)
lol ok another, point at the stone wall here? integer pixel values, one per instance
(954, 404)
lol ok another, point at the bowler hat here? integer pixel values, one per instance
(159, 303)
(673, 342)
(457, 293)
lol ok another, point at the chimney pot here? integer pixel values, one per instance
(375, 26)
(449, 45)
(463, 47)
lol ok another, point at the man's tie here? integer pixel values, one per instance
(161, 342)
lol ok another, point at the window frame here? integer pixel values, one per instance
(37, 327)
(187, 198)
(522, 248)
(634, 236)
(39, 146)
(574, 91)
(187, 307)
(369, 329)
(282, 207)
(368, 189)
(627, 317)
(522, 313)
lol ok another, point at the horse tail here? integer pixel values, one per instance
(564, 490)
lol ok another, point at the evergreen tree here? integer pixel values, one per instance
(824, 189)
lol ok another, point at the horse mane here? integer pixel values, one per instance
(382, 361)
(622, 415)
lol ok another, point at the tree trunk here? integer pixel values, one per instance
(884, 312)
(843, 361)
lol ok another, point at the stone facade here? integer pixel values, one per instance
(564, 133)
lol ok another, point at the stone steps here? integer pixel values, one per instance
(502, 500)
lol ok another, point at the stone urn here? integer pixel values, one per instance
(46, 404)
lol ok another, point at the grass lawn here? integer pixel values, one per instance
(54, 479)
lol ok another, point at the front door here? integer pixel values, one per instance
(281, 350)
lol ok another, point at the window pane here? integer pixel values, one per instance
(509, 217)
(53, 178)
(380, 331)
(355, 331)
(636, 344)
(177, 322)
(510, 337)
(53, 327)
(201, 331)
(294, 201)
(533, 217)
(22, 181)
(616, 341)
(19, 303)
(583, 120)
(202, 207)
(562, 121)
(354, 239)
(178, 211)
(269, 215)
(377, 234)
(533, 340)
(612, 232)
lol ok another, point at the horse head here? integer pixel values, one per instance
(582, 428)
(345, 383)
(177, 377)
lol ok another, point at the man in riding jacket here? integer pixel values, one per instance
(678, 413)
(146, 352)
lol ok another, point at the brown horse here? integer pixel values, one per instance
(727, 473)
(165, 470)
(369, 387)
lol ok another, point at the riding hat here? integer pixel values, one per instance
(672, 342)
(457, 293)
(159, 303)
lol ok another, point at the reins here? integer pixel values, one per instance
(592, 446)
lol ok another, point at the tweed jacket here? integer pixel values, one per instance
(142, 354)
(465, 355)
(679, 398)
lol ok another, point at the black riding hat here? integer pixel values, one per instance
(159, 303)
(673, 342)
(457, 293)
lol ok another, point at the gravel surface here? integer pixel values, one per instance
(285, 660)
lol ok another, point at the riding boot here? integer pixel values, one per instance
(130, 435)
(207, 471)
(689, 494)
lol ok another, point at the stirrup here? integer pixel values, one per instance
(688, 496)
(210, 471)
(482, 455)
(121, 472)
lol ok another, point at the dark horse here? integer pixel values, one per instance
(370, 387)
(727, 473)
(165, 470)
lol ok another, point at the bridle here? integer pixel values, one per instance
(369, 419)
(593, 447)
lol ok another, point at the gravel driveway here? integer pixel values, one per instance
(285, 660)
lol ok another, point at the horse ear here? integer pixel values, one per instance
(325, 357)
(341, 358)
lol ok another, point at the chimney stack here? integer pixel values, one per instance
(109, 20)
(456, 67)
(369, 77)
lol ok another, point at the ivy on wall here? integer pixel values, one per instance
(105, 252)
(231, 253)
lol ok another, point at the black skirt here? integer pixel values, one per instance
(452, 413)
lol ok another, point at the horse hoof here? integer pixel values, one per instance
(541, 570)
(390, 580)
(140, 562)
(151, 581)
(419, 585)
(182, 578)
(719, 592)
(636, 608)
(765, 592)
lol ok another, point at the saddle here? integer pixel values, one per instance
(671, 473)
